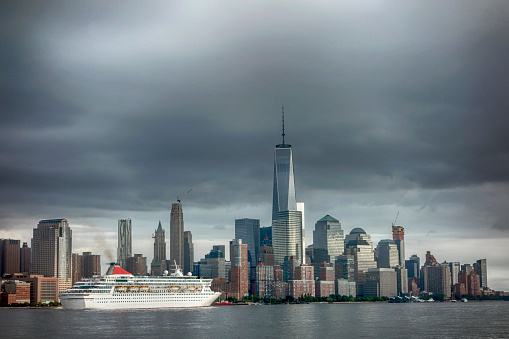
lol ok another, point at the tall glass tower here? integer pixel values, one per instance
(287, 235)
(283, 196)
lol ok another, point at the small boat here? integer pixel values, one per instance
(223, 303)
(464, 300)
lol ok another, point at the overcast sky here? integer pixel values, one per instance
(113, 109)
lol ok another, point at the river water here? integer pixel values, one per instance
(487, 319)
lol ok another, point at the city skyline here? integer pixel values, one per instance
(390, 107)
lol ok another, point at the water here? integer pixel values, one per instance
(364, 320)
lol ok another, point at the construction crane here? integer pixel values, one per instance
(183, 195)
(394, 223)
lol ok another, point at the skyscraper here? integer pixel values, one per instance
(90, 264)
(287, 235)
(239, 273)
(283, 195)
(125, 236)
(455, 271)
(249, 231)
(159, 244)
(359, 246)
(176, 234)
(9, 256)
(436, 278)
(188, 252)
(328, 241)
(158, 264)
(480, 267)
(413, 265)
(387, 254)
(25, 258)
(52, 251)
(398, 235)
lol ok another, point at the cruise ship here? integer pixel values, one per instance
(119, 289)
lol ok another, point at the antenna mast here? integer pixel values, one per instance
(283, 122)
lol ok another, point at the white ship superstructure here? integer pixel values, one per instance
(119, 289)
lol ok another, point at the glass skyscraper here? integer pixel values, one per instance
(283, 197)
(249, 231)
(287, 235)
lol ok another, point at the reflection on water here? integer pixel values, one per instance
(431, 320)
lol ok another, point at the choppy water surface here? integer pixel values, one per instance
(367, 320)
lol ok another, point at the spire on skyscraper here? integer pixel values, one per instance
(283, 122)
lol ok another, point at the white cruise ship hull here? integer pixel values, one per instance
(147, 300)
(119, 289)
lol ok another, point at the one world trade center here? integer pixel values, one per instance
(287, 218)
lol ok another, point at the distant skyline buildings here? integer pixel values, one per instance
(124, 245)
(176, 234)
(328, 242)
(188, 252)
(387, 254)
(52, 251)
(249, 231)
(398, 235)
(158, 265)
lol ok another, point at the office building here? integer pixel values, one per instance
(398, 235)
(52, 251)
(239, 272)
(480, 267)
(291, 262)
(137, 265)
(213, 265)
(76, 268)
(176, 234)
(454, 267)
(266, 255)
(249, 231)
(301, 209)
(90, 265)
(42, 289)
(304, 282)
(435, 277)
(25, 258)
(125, 238)
(283, 197)
(344, 268)
(402, 280)
(158, 265)
(413, 265)
(15, 291)
(287, 236)
(325, 286)
(346, 287)
(358, 234)
(287, 215)
(361, 248)
(328, 241)
(188, 252)
(9, 256)
(387, 254)
(380, 282)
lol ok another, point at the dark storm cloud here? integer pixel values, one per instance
(125, 107)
